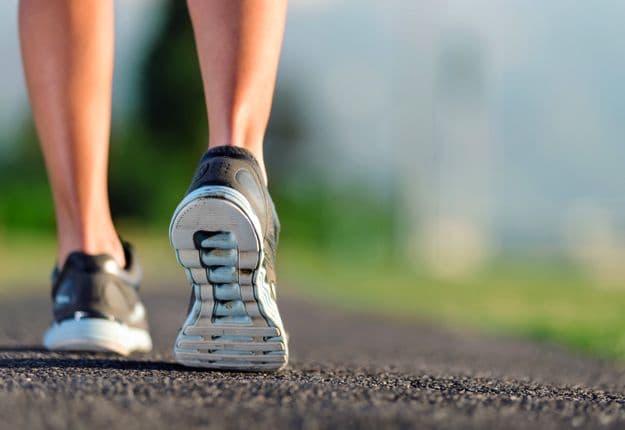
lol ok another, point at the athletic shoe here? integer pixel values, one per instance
(225, 234)
(97, 307)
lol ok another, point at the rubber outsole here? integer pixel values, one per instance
(96, 334)
(232, 324)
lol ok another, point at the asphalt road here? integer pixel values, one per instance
(347, 371)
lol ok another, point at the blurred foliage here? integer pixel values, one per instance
(340, 225)
(171, 103)
(25, 201)
(154, 154)
(548, 300)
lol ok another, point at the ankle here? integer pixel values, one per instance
(92, 244)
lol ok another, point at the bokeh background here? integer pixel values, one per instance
(460, 162)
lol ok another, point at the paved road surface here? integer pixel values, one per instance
(347, 371)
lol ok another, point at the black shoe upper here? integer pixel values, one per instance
(95, 286)
(237, 168)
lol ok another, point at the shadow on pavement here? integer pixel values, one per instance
(35, 356)
(88, 363)
(22, 348)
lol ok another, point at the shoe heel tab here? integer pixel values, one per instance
(230, 151)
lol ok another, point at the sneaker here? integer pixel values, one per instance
(97, 307)
(225, 234)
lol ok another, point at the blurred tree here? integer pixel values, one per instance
(285, 136)
(170, 129)
(171, 94)
(25, 201)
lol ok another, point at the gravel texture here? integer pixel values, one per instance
(347, 371)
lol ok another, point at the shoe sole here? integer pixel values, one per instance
(96, 335)
(234, 323)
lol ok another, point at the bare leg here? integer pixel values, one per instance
(238, 43)
(67, 49)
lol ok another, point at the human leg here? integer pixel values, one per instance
(238, 45)
(67, 48)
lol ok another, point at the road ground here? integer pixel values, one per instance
(346, 371)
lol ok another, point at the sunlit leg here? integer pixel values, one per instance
(239, 44)
(67, 48)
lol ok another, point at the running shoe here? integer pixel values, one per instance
(225, 234)
(97, 307)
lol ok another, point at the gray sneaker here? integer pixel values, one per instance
(225, 234)
(97, 307)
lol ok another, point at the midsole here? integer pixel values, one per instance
(98, 332)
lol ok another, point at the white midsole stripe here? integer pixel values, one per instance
(97, 334)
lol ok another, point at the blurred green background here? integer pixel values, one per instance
(459, 164)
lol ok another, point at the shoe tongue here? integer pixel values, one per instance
(88, 263)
